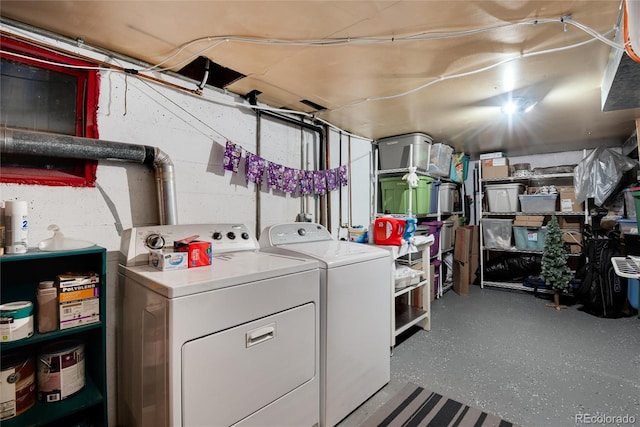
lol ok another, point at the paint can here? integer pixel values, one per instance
(16, 320)
(61, 371)
(17, 384)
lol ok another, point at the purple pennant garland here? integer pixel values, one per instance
(275, 176)
(332, 179)
(255, 168)
(232, 154)
(290, 180)
(319, 182)
(342, 175)
(284, 178)
(306, 182)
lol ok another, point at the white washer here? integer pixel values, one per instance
(233, 343)
(355, 313)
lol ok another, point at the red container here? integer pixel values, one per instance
(388, 231)
(199, 252)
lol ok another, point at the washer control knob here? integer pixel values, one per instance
(245, 235)
(217, 235)
(155, 241)
(302, 231)
(231, 235)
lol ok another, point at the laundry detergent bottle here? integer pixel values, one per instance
(389, 231)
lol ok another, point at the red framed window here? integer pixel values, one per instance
(43, 96)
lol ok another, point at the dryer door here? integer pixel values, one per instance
(231, 374)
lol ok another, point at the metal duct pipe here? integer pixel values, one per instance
(18, 141)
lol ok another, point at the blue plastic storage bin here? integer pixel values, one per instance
(633, 293)
(529, 238)
(435, 192)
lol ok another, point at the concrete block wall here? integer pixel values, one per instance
(193, 131)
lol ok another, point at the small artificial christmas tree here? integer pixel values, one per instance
(555, 272)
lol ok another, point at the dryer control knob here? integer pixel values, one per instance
(245, 235)
(231, 235)
(217, 235)
(302, 231)
(155, 241)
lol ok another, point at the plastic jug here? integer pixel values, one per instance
(389, 231)
(410, 228)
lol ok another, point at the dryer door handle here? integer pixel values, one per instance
(261, 334)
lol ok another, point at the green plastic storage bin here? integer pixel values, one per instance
(636, 199)
(394, 192)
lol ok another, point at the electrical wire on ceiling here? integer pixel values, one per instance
(467, 73)
(424, 36)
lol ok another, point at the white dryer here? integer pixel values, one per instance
(355, 313)
(230, 344)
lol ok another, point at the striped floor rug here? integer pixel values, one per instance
(413, 406)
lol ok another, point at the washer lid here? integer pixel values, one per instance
(334, 253)
(231, 269)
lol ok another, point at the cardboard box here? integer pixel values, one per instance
(498, 161)
(495, 172)
(570, 236)
(461, 273)
(461, 250)
(570, 222)
(466, 258)
(199, 253)
(539, 218)
(568, 200)
(475, 254)
(574, 249)
(168, 260)
(529, 220)
(418, 295)
(78, 299)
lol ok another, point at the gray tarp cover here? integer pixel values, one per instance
(598, 174)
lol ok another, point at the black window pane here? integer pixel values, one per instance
(37, 99)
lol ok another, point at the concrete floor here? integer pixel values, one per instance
(506, 353)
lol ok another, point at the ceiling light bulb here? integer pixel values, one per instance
(517, 106)
(509, 108)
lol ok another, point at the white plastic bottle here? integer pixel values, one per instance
(17, 226)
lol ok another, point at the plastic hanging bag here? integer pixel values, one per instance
(59, 243)
(598, 174)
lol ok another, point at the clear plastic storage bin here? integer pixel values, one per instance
(497, 233)
(629, 203)
(504, 197)
(538, 202)
(629, 226)
(440, 160)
